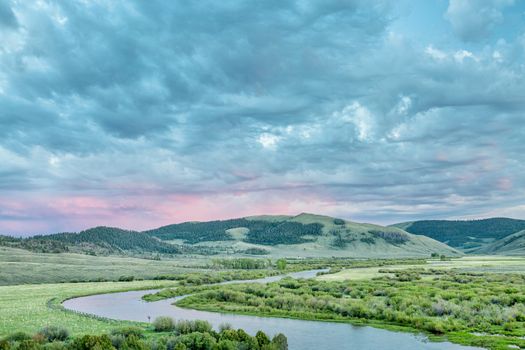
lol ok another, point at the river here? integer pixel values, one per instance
(301, 334)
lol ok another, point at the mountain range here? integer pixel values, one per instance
(303, 235)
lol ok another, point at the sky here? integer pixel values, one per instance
(139, 114)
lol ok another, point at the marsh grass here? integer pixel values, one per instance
(469, 308)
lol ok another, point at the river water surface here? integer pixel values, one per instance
(302, 335)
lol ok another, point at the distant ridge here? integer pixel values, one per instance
(513, 244)
(303, 235)
(116, 239)
(97, 240)
(465, 234)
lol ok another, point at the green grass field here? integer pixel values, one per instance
(25, 307)
(18, 266)
(30, 307)
(493, 264)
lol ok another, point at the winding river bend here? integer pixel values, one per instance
(302, 335)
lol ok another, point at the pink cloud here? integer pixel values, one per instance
(51, 213)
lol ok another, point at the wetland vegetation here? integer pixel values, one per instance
(473, 300)
(182, 335)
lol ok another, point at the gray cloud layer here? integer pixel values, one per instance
(315, 106)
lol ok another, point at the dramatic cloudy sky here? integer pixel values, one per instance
(143, 113)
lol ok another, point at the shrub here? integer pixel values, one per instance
(280, 341)
(281, 264)
(129, 331)
(202, 326)
(53, 333)
(186, 327)
(339, 241)
(440, 308)
(117, 340)
(407, 276)
(92, 342)
(510, 326)
(39, 338)
(134, 343)
(391, 237)
(339, 222)
(248, 341)
(171, 343)
(262, 338)
(4, 345)
(226, 344)
(256, 251)
(229, 334)
(368, 240)
(28, 345)
(126, 278)
(241, 263)
(18, 336)
(55, 346)
(163, 324)
(198, 341)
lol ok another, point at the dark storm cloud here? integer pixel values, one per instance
(115, 107)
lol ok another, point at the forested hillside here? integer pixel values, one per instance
(34, 244)
(194, 232)
(116, 239)
(304, 235)
(301, 235)
(105, 240)
(464, 234)
(260, 231)
(513, 244)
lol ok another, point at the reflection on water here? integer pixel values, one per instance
(302, 335)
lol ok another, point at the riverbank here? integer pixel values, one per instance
(452, 306)
(495, 342)
(302, 334)
(27, 308)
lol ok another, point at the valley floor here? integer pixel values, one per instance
(480, 264)
(437, 293)
(29, 308)
(18, 266)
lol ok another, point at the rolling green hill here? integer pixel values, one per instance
(115, 239)
(304, 235)
(97, 240)
(258, 231)
(513, 244)
(468, 235)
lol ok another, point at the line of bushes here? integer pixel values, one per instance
(182, 335)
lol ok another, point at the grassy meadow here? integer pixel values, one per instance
(18, 266)
(27, 307)
(475, 264)
(475, 300)
(32, 319)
